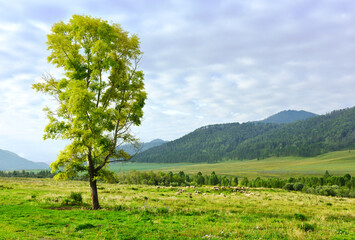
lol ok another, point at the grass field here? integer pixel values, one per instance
(337, 163)
(128, 166)
(41, 209)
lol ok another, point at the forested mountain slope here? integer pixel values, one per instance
(206, 144)
(310, 137)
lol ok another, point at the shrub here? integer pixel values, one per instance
(120, 208)
(84, 226)
(162, 210)
(300, 216)
(298, 186)
(66, 202)
(307, 227)
(326, 190)
(289, 186)
(76, 198)
(73, 199)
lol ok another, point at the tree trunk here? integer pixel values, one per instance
(94, 196)
(93, 186)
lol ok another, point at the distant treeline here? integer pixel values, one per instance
(175, 179)
(255, 140)
(341, 186)
(327, 185)
(27, 174)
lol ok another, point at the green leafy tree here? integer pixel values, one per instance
(326, 175)
(235, 180)
(100, 96)
(213, 179)
(244, 181)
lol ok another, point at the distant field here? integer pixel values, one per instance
(129, 166)
(43, 209)
(337, 163)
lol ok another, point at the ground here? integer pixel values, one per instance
(45, 209)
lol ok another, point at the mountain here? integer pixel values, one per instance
(288, 116)
(206, 144)
(11, 161)
(312, 136)
(317, 135)
(130, 149)
(153, 143)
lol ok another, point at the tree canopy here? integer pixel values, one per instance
(100, 96)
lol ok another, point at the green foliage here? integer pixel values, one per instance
(289, 186)
(235, 180)
(162, 210)
(84, 226)
(244, 181)
(300, 216)
(307, 227)
(298, 186)
(76, 197)
(73, 199)
(171, 179)
(99, 98)
(101, 95)
(120, 207)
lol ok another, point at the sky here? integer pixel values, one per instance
(205, 62)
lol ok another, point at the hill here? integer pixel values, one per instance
(206, 144)
(130, 149)
(11, 161)
(289, 116)
(317, 135)
(310, 137)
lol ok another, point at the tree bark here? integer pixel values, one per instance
(94, 196)
(93, 186)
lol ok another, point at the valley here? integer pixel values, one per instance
(337, 163)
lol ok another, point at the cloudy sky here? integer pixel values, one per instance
(205, 62)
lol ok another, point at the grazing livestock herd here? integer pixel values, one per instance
(192, 190)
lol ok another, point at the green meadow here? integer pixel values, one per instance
(337, 163)
(46, 209)
(129, 166)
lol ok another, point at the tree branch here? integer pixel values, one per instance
(98, 95)
(126, 159)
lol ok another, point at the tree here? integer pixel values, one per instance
(326, 175)
(213, 179)
(244, 181)
(100, 96)
(235, 180)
